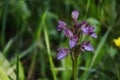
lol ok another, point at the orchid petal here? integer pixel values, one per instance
(63, 52)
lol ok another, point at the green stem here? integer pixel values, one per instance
(75, 72)
(17, 66)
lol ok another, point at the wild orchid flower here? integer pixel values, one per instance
(74, 34)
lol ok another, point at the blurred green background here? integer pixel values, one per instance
(29, 40)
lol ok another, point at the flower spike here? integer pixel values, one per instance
(73, 33)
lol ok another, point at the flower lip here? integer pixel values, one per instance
(63, 52)
(73, 41)
(93, 35)
(61, 25)
(89, 30)
(86, 46)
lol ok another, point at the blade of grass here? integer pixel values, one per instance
(39, 29)
(5, 65)
(3, 75)
(87, 8)
(49, 52)
(7, 47)
(37, 38)
(97, 52)
(24, 53)
(4, 21)
(21, 71)
(96, 55)
(32, 66)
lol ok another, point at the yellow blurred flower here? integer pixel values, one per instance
(117, 42)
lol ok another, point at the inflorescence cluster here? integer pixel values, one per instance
(74, 33)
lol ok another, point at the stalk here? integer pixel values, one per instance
(75, 72)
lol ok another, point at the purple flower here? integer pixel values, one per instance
(68, 33)
(89, 30)
(63, 52)
(73, 41)
(75, 14)
(61, 25)
(73, 33)
(86, 46)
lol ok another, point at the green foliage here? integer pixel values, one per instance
(28, 29)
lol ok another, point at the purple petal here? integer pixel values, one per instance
(89, 48)
(86, 46)
(88, 30)
(73, 41)
(75, 14)
(85, 29)
(63, 52)
(93, 35)
(68, 33)
(61, 25)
